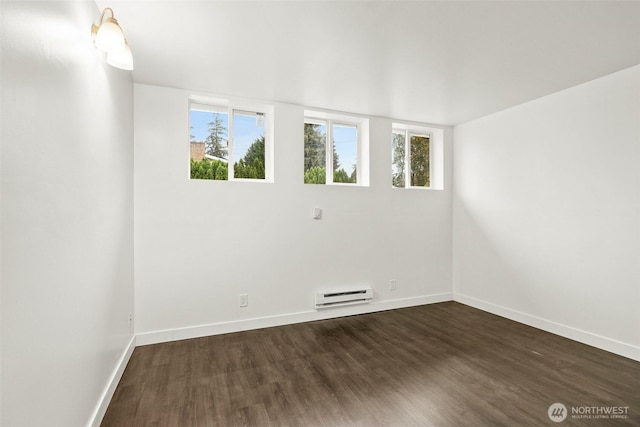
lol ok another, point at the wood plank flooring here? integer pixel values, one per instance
(436, 365)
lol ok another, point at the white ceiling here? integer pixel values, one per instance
(443, 62)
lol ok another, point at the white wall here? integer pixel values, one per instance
(67, 215)
(198, 244)
(547, 212)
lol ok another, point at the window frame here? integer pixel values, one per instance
(410, 131)
(329, 120)
(231, 108)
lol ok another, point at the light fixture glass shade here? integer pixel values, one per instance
(122, 59)
(110, 37)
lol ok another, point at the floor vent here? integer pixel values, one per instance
(338, 298)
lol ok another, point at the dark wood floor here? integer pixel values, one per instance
(436, 365)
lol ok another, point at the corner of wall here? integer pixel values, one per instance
(103, 402)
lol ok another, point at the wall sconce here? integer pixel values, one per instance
(108, 37)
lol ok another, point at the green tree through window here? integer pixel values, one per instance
(398, 153)
(216, 142)
(252, 164)
(420, 161)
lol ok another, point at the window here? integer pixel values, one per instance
(333, 149)
(228, 143)
(411, 157)
(417, 156)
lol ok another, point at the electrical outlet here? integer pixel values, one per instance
(392, 284)
(130, 321)
(243, 300)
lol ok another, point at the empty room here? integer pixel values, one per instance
(319, 213)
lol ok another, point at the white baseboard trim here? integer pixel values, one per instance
(594, 340)
(107, 394)
(156, 337)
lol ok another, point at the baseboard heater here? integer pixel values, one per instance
(338, 298)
